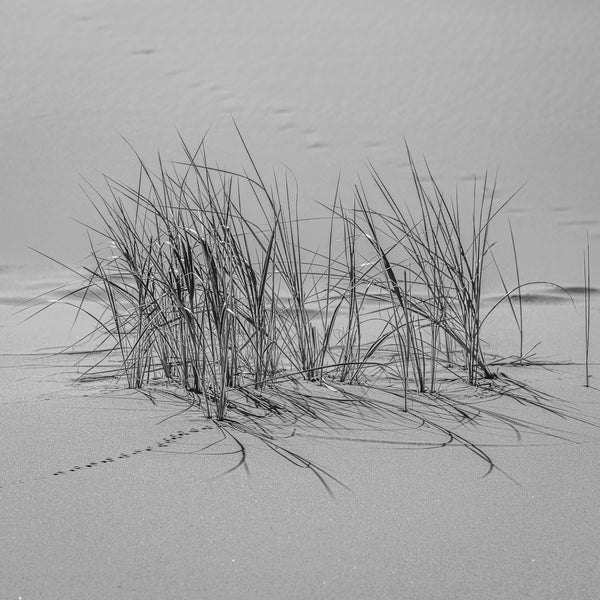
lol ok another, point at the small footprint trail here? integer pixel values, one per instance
(161, 446)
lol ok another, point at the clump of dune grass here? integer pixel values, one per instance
(189, 283)
(205, 283)
(199, 294)
(445, 259)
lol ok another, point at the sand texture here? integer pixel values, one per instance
(112, 494)
(105, 495)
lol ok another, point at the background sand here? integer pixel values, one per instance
(473, 85)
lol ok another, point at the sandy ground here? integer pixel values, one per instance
(471, 85)
(156, 514)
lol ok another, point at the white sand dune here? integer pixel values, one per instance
(158, 513)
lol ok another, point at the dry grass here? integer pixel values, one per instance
(200, 279)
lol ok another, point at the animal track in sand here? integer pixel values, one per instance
(161, 446)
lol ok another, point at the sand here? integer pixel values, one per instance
(156, 514)
(474, 87)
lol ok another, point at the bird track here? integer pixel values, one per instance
(163, 444)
